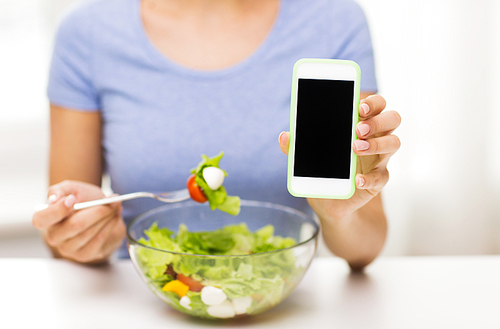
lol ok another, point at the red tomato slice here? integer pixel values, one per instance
(195, 191)
(191, 283)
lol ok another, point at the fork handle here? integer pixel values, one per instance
(98, 202)
(117, 198)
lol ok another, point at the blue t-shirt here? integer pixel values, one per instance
(159, 117)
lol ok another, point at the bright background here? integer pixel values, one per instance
(437, 63)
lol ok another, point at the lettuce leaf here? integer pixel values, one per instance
(155, 261)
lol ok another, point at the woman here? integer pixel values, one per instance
(141, 88)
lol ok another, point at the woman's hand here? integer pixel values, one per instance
(375, 146)
(85, 236)
(355, 228)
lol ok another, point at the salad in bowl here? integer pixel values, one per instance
(222, 264)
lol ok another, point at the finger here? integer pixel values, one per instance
(383, 123)
(371, 106)
(52, 198)
(55, 213)
(374, 180)
(116, 238)
(78, 223)
(60, 190)
(381, 145)
(72, 245)
(284, 139)
(95, 248)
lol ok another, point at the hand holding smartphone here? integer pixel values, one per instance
(323, 118)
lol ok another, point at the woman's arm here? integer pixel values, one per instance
(357, 237)
(75, 146)
(88, 235)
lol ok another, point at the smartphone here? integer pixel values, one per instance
(323, 118)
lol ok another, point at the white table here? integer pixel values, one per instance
(408, 292)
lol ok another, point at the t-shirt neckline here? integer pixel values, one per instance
(165, 62)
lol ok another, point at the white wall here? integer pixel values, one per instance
(24, 52)
(437, 64)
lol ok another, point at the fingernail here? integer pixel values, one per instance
(279, 137)
(363, 129)
(52, 198)
(361, 145)
(360, 181)
(70, 201)
(364, 108)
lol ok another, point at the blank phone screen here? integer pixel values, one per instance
(323, 128)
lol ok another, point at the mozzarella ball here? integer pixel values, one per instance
(212, 296)
(214, 177)
(224, 310)
(241, 304)
(185, 302)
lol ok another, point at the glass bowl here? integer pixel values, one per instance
(223, 286)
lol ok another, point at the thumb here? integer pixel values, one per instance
(284, 140)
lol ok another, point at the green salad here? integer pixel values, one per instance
(214, 286)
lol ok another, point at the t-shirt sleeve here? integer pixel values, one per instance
(71, 75)
(356, 43)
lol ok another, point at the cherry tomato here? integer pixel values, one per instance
(195, 191)
(191, 283)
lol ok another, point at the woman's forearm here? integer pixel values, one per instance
(358, 237)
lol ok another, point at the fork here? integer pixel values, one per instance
(169, 197)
